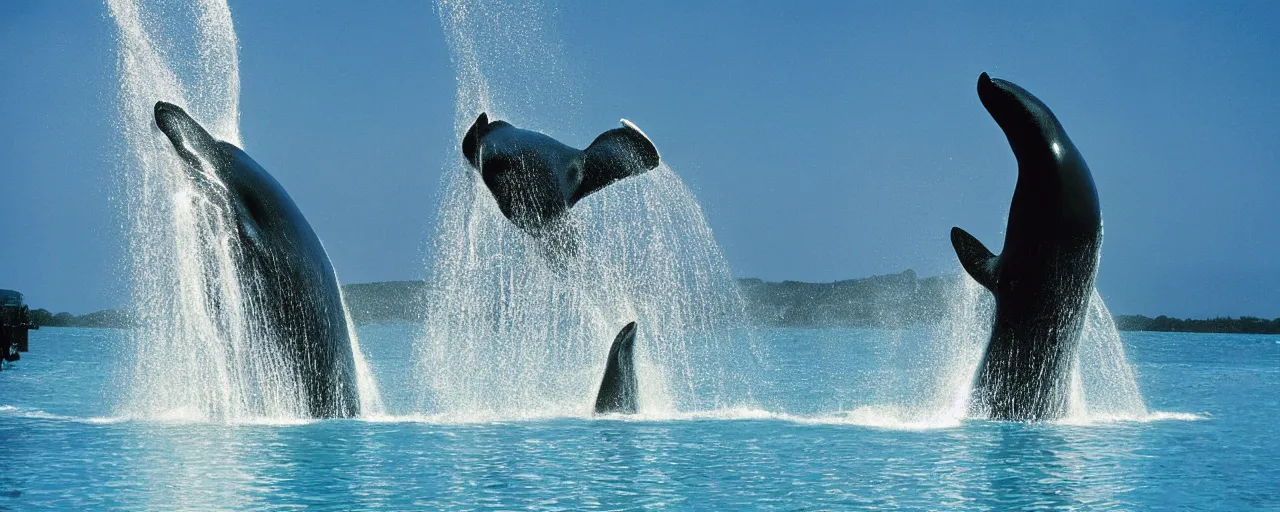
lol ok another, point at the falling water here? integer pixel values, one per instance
(201, 352)
(929, 373)
(1106, 387)
(1102, 384)
(508, 336)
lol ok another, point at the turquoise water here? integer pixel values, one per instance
(813, 441)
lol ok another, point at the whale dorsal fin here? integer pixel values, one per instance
(616, 154)
(976, 259)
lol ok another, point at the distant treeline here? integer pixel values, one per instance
(895, 300)
(1242, 325)
(109, 318)
(369, 303)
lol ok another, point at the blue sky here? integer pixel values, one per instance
(825, 141)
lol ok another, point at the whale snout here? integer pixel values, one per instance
(166, 108)
(169, 118)
(183, 131)
(984, 84)
(1002, 100)
(1030, 126)
(192, 143)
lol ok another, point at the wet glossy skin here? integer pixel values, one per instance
(619, 388)
(536, 179)
(1044, 275)
(283, 263)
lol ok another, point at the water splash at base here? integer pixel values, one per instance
(1103, 386)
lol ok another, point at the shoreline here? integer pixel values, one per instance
(888, 301)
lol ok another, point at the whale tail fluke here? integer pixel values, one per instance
(976, 259)
(616, 154)
(475, 135)
(471, 141)
(619, 388)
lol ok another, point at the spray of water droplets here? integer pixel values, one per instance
(506, 335)
(942, 364)
(201, 352)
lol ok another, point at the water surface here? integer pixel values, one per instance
(823, 434)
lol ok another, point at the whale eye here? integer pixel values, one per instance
(253, 212)
(257, 211)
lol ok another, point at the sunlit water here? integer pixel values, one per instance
(1212, 442)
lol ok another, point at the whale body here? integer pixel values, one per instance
(619, 388)
(1044, 275)
(282, 260)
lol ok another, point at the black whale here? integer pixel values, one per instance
(1043, 278)
(286, 264)
(536, 179)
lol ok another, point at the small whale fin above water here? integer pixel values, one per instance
(619, 388)
(615, 155)
(976, 259)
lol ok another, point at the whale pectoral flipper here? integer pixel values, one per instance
(616, 154)
(976, 259)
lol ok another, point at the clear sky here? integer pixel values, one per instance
(825, 140)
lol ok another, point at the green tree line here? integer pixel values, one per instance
(890, 301)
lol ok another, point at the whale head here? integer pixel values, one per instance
(1048, 162)
(281, 263)
(224, 174)
(1034, 133)
(194, 145)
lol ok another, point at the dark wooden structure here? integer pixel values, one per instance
(15, 320)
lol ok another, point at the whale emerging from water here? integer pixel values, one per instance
(619, 389)
(285, 264)
(1043, 278)
(536, 179)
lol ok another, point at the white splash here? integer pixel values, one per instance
(508, 337)
(1103, 386)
